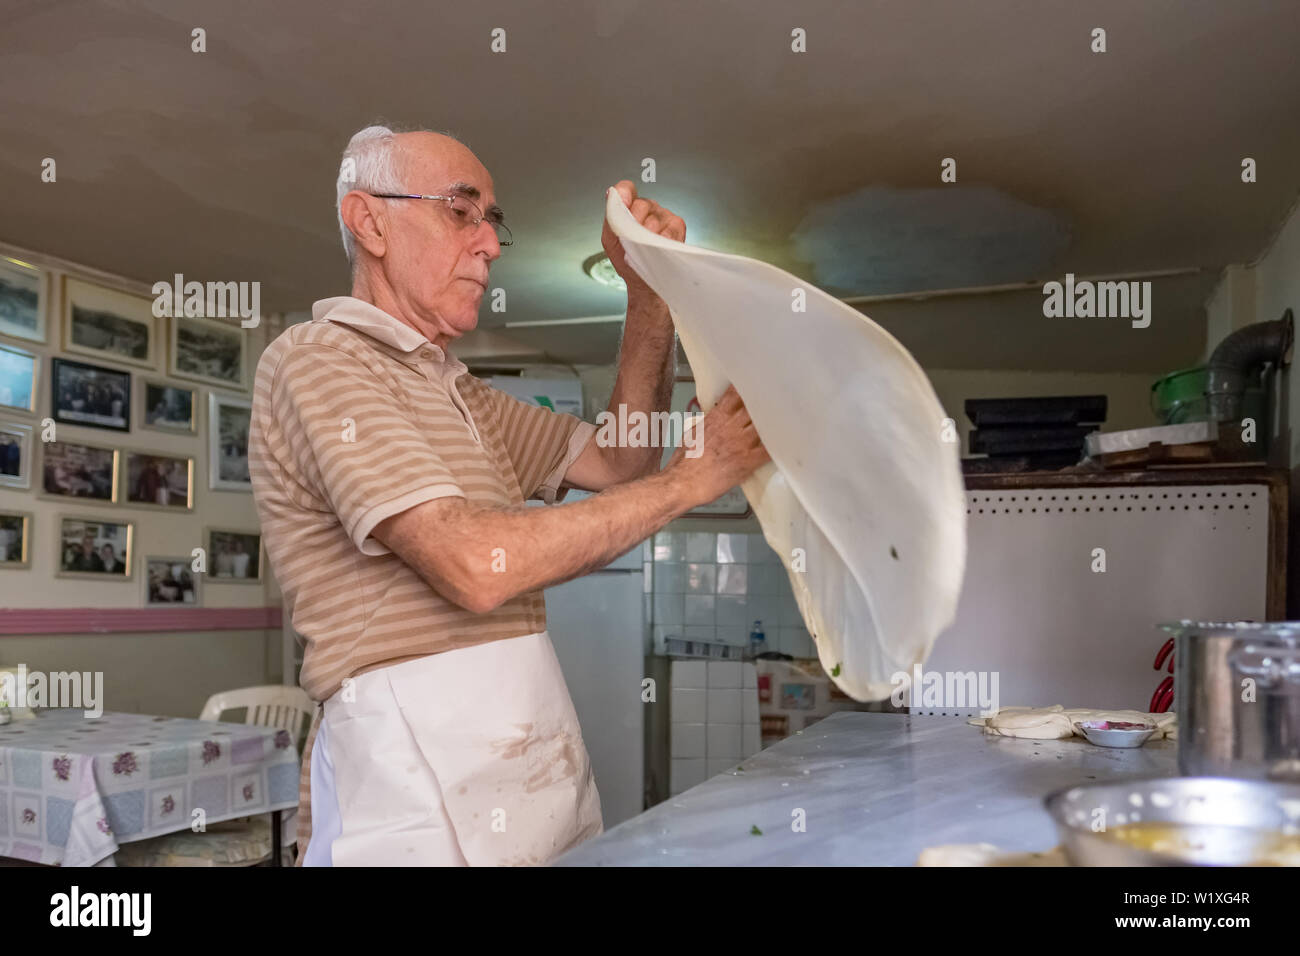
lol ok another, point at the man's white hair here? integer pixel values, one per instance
(370, 163)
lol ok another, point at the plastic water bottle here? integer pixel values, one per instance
(757, 640)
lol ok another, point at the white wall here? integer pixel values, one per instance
(172, 674)
(153, 672)
(1261, 292)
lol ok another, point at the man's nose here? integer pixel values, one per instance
(485, 241)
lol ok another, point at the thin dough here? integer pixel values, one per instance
(864, 480)
(1050, 723)
(1057, 722)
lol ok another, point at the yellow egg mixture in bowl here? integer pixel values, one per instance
(1180, 821)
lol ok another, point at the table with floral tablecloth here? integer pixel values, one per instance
(72, 787)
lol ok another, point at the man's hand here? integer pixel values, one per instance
(730, 451)
(656, 218)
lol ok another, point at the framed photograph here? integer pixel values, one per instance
(109, 324)
(159, 481)
(90, 395)
(229, 419)
(168, 408)
(22, 300)
(169, 581)
(15, 539)
(207, 351)
(17, 379)
(234, 556)
(15, 455)
(73, 470)
(94, 548)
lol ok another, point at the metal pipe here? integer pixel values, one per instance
(1240, 355)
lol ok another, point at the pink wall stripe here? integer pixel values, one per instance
(23, 622)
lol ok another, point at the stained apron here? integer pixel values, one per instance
(469, 757)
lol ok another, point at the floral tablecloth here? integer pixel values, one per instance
(73, 788)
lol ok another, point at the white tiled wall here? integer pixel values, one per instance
(713, 587)
(713, 719)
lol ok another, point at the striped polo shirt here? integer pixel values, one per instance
(356, 418)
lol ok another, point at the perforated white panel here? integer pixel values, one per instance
(1056, 631)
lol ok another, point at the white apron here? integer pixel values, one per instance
(468, 757)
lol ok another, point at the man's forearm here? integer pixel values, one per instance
(485, 556)
(645, 375)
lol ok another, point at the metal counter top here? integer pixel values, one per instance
(876, 790)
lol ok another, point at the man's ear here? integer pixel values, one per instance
(364, 217)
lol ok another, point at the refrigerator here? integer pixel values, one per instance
(596, 624)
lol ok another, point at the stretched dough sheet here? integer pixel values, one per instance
(863, 499)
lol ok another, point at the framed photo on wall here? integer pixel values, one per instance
(15, 539)
(169, 582)
(73, 470)
(167, 408)
(90, 395)
(15, 455)
(17, 379)
(94, 548)
(108, 324)
(234, 556)
(207, 351)
(229, 419)
(159, 481)
(22, 300)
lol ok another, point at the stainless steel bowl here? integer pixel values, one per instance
(1179, 821)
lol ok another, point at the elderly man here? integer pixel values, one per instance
(390, 485)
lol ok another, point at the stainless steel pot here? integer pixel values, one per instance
(1237, 695)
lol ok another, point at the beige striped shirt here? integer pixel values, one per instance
(356, 418)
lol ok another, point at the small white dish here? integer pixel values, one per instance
(1112, 733)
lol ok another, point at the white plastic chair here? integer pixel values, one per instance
(271, 705)
(233, 842)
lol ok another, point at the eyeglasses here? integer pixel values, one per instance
(465, 211)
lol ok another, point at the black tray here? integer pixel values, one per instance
(1031, 440)
(1056, 410)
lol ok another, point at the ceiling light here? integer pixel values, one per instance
(602, 270)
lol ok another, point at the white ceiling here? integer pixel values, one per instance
(221, 165)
